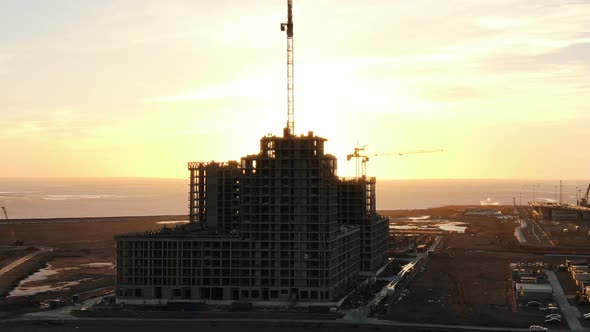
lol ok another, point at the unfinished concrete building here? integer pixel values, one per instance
(278, 227)
(357, 206)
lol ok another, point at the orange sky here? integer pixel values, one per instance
(138, 88)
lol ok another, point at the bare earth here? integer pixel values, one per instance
(72, 247)
(468, 281)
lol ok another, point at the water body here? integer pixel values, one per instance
(52, 198)
(37, 282)
(428, 224)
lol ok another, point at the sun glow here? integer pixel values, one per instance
(491, 86)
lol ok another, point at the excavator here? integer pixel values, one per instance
(584, 200)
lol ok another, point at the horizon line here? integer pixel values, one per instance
(379, 179)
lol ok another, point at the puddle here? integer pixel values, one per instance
(410, 218)
(33, 290)
(437, 224)
(105, 264)
(483, 212)
(30, 285)
(452, 227)
(172, 222)
(42, 274)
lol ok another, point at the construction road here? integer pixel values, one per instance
(571, 313)
(19, 261)
(531, 232)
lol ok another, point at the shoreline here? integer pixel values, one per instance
(92, 219)
(167, 217)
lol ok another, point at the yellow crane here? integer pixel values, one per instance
(361, 158)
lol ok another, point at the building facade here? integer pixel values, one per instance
(278, 226)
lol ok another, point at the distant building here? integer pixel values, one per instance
(552, 211)
(277, 227)
(538, 292)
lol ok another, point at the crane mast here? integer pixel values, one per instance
(288, 27)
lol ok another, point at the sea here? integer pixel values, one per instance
(61, 198)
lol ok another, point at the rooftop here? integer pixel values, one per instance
(534, 288)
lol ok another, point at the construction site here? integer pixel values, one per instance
(280, 235)
(277, 227)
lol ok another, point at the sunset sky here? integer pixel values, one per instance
(139, 88)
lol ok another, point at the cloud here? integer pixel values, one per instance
(455, 93)
(58, 123)
(499, 23)
(5, 58)
(222, 91)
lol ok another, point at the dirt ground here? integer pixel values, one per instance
(577, 234)
(469, 281)
(466, 288)
(71, 247)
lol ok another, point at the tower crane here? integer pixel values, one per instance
(288, 27)
(5, 213)
(361, 159)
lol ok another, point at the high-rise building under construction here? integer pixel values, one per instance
(277, 226)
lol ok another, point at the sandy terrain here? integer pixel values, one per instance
(467, 281)
(79, 256)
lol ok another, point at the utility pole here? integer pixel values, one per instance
(514, 202)
(560, 192)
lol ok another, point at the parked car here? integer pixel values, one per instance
(537, 328)
(553, 320)
(533, 304)
(587, 316)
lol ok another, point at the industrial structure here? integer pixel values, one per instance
(553, 211)
(560, 211)
(275, 227)
(583, 201)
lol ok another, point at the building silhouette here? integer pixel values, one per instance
(277, 227)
